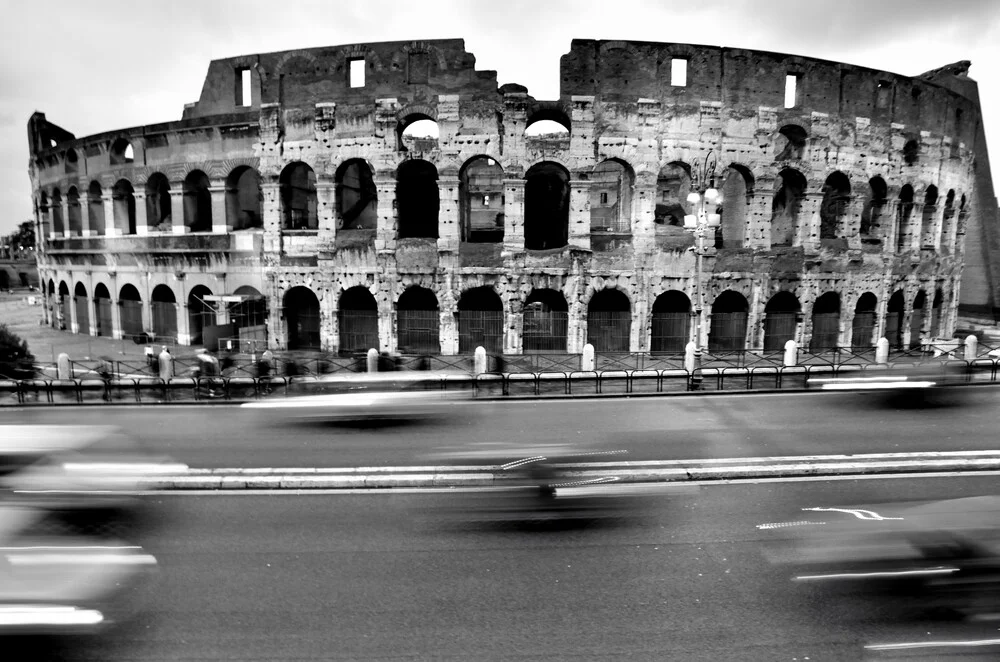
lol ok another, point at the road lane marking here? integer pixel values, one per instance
(857, 512)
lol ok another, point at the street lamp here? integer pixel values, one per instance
(703, 196)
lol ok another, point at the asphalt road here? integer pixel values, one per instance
(742, 425)
(381, 577)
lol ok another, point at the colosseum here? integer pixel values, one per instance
(671, 192)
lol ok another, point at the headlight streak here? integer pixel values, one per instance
(41, 615)
(934, 644)
(80, 559)
(923, 572)
(857, 512)
(782, 525)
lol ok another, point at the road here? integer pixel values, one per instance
(378, 577)
(743, 425)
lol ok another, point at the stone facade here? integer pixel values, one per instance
(296, 180)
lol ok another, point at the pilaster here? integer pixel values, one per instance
(110, 229)
(513, 216)
(449, 229)
(579, 214)
(385, 233)
(141, 220)
(178, 219)
(220, 220)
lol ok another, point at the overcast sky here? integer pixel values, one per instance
(101, 65)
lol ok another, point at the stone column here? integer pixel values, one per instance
(755, 316)
(643, 225)
(758, 229)
(449, 228)
(220, 221)
(116, 311)
(385, 234)
(64, 205)
(448, 325)
(850, 224)
(513, 216)
(108, 202)
(177, 220)
(937, 227)
(579, 214)
(92, 314)
(270, 210)
(141, 222)
(74, 324)
(807, 232)
(85, 229)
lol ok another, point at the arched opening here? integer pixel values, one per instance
(158, 206)
(609, 321)
(790, 188)
(297, 185)
(948, 220)
(52, 305)
(911, 152)
(875, 202)
(43, 213)
(357, 197)
(201, 314)
(790, 143)
(480, 321)
(825, 323)
(928, 214)
(357, 316)
(301, 312)
(546, 319)
(481, 201)
(95, 208)
(672, 187)
(863, 325)
(72, 163)
(917, 319)
(65, 307)
(728, 332)
(131, 313)
(82, 304)
(671, 324)
(74, 211)
(197, 202)
(936, 314)
(780, 320)
(547, 126)
(163, 307)
(903, 213)
(546, 206)
(418, 321)
(835, 205)
(417, 199)
(611, 197)
(123, 200)
(249, 315)
(243, 197)
(417, 133)
(102, 306)
(894, 320)
(121, 152)
(58, 224)
(737, 189)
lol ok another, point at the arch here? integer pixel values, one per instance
(243, 199)
(863, 325)
(417, 199)
(357, 316)
(121, 152)
(825, 322)
(737, 189)
(71, 163)
(95, 208)
(197, 202)
(911, 152)
(894, 320)
(102, 307)
(130, 303)
(249, 315)
(301, 313)
(480, 320)
(790, 143)
(481, 200)
(611, 197)
(728, 331)
(546, 206)
(356, 195)
(123, 201)
(609, 321)
(297, 186)
(201, 313)
(74, 211)
(671, 323)
(417, 133)
(937, 314)
(871, 214)
(927, 218)
(56, 212)
(948, 220)
(418, 321)
(790, 187)
(903, 212)
(833, 209)
(163, 310)
(552, 118)
(780, 320)
(917, 319)
(159, 212)
(673, 183)
(43, 213)
(546, 321)
(65, 307)
(82, 305)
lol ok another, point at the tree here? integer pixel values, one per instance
(23, 239)
(16, 360)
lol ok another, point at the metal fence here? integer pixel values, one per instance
(480, 328)
(608, 331)
(418, 331)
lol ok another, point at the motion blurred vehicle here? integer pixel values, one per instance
(943, 555)
(911, 384)
(375, 396)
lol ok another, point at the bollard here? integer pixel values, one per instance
(62, 367)
(791, 354)
(166, 365)
(971, 347)
(587, 360)
(689, 352)
(479, 363)
(372, 360)
(882, 351)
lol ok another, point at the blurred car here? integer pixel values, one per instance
(369, 396)
(943, 554)
(902, 384)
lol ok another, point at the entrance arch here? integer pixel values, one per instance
(546, 318)
(780, 320)
(671, 324)
(201, 313)
(357, 316)
(163, 306)
(102, 304)
(301, 308)
(609, 321)
(131, 312)
(729, 323)
(418, 321)
(863, 325)
(480, 321)
(82, 304)
(825, 323)
(894, 320)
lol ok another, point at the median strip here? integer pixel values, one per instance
(622, 472)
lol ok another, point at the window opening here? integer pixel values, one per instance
(357, 70)
(791, 90)
(678, 72)
(243, 91)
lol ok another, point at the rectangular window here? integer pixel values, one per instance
(357, 72)
(678, 72)
(883, 94)
(791, 90)
(245, 91)
(604, 198)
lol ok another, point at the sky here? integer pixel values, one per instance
(107, 64)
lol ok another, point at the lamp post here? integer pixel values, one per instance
(703, 195)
